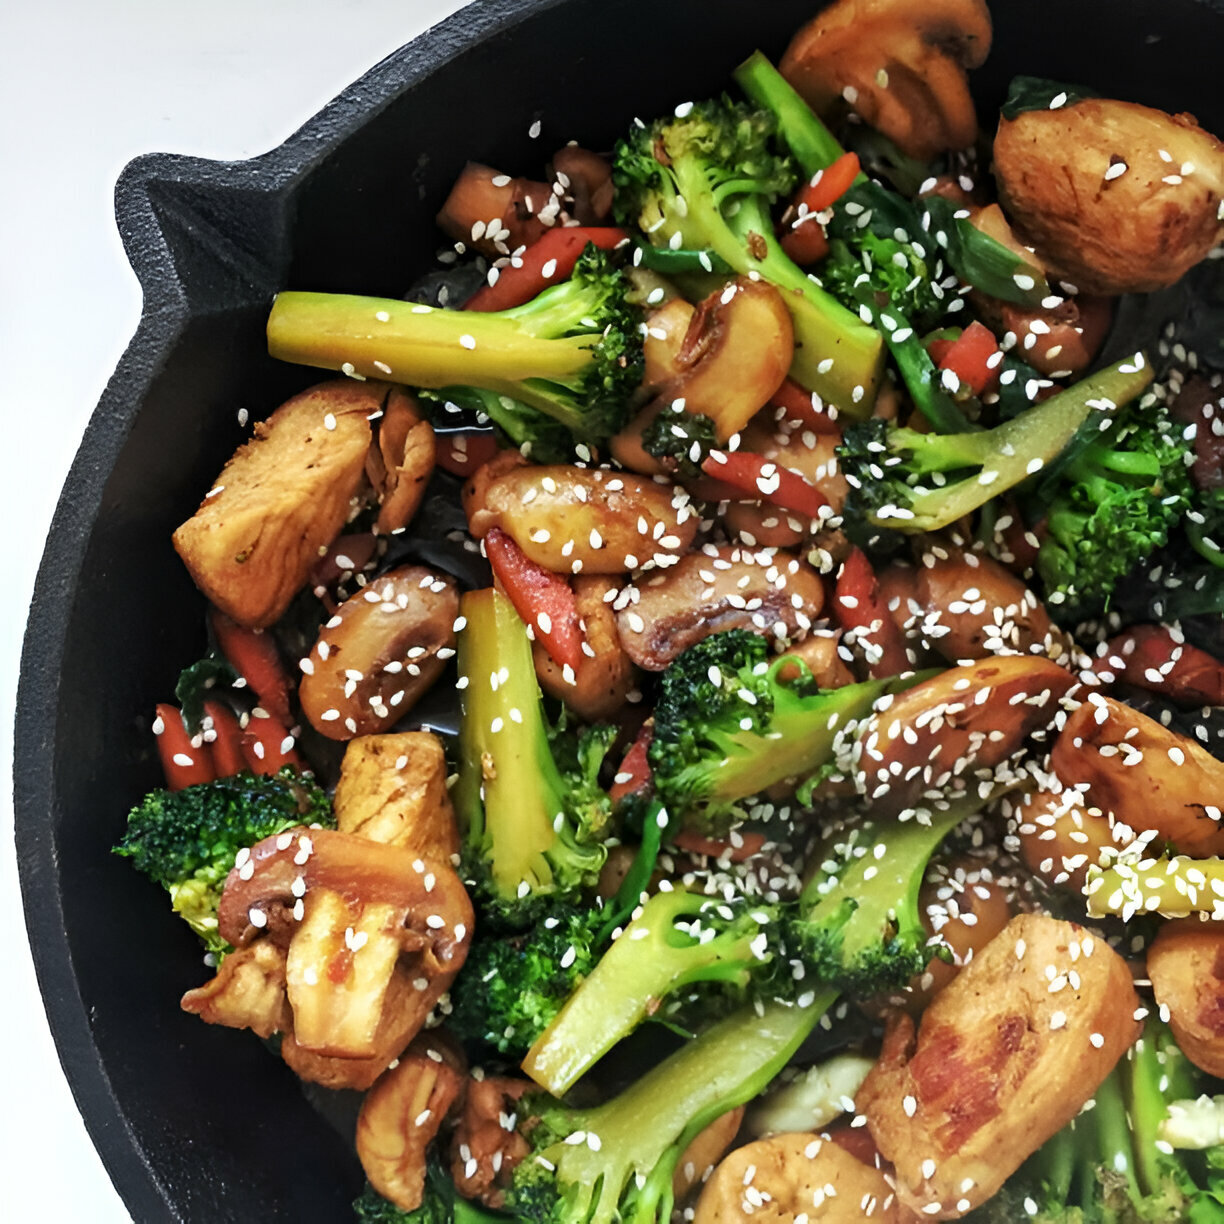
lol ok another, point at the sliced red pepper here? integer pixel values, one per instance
(543, 600)
(798, 405)
(830, 184)
(969, 358)
(463, 451)
(749, 844)
(256, 658)
(858, 606)
(1149, 657)
(764, 480)
(634, 774)
(182, 762)
(226, 749)
(268, 747)
(548, 261)
(805, 241)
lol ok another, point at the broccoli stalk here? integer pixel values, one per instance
(1175, 886)
(916, 482)
(532, 832)
(573, 353)
(615, 1161)
(727, 727)
(707, 181)
(856, 929)
(187, 840)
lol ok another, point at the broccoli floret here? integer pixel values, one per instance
(535, 435)
(887, 267)
(908, 481)
(1114, 1163)
(680, 439)
(533, 831)
(511, 988)
(186, 840)
(727, 727)
(706, 181)
(1109, 508)
(614, 1162)
(441, 1204)
(573, 353)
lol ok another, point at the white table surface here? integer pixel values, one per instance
(85, 85)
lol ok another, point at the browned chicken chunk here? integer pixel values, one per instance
(1186, 965)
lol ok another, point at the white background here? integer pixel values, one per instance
(85, 85)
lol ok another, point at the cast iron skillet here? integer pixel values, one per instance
(198, 1123)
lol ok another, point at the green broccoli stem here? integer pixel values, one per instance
(652, 959)
(640, 1134)
(509, 794)
(1158, 1073)
(814, 147)
(655, 823)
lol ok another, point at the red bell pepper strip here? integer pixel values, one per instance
(268, 747)
(764, 480)
(798, 405)
(226, 749)
(970, 358)
(634, 774)
(858, 607)
(462, 452)
(182, 762)
(256, 658)
(548, 261)
(805, 241)
(830, 184)
(720, 848)
(543, 600)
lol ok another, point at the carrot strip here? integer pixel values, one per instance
(255, 657)
(182, 762)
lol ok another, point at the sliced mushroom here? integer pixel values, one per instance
(1145, 775)
(820, 654)
(586, 179)
(402, 1114)
(380, 653)
(356, 917)
(1002, 1060)
(768, 592)
(901, 67)
(962, 723)
(705, 1150)
(247, 992)
(598, 689)
(1060, 341)
(1062, 837)
(401, 461)
(666, 329)
(1154, 658)
(1186, 965)
(799, 1176)
(475, 492)
(589, 520)
(495, 214)
(280, 501)
(1116, 197)
(487, 1146)
(392, 789)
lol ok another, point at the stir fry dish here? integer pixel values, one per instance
(714, 707)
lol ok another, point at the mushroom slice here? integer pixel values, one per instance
(1003, 1059)
(495, 214)
(964, 721)
(248, 991)
(797, 1176)
(706, 1148)
(401, 462)
(392, 789)
(1116, 197)
(1145, 775)
(402, 1114)
(770, 592)
(365, 917)
(380, 653)
(1186, 965)
(486, 1146)
(901, 66)
(280, 501)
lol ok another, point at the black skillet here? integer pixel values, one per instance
(197, 1123)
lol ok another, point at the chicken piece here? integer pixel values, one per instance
(1003, 1059)
(1116, 197)
(1186, 965)
(788, 1177)
(400, 463)
(402, 1114)
(280, 501)
(901, 66)
(959, 724)
(485, 1151)
(705, 1150)
(1062, 837)
(1147, 776)
(392, 789)
(248, 991)
(604, 679)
